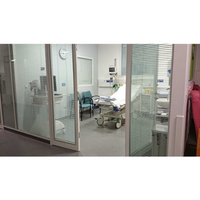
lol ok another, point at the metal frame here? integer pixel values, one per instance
(53, 141)
(128, 98)
(169, 121)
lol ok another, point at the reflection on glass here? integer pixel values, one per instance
(31, 88)
(149, 99)
(62, 69)
(5, 86)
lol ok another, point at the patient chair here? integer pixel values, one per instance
(82, 105)
(84, 102)
(94, 99)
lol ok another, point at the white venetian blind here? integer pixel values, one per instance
(164, 63)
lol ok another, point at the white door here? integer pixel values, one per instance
(65, 105)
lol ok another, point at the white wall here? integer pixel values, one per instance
(106, 55)
(91, 51)
(179, 96)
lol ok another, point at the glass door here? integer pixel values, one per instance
(147, 103)
(31, 97)
(65, 113)
(6, 89)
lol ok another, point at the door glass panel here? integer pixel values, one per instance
(30, 83)
(149, 99)
(5, 86)
(62, 70)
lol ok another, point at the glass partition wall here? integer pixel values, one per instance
(6, 89)
(31, 92)
(149, 75)
(38, 86)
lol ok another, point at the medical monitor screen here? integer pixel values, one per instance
(112, 69)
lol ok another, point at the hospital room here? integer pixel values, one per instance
(101, 74)
(103, 80)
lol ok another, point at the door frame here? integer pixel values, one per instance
(128, 97)
(53, 141)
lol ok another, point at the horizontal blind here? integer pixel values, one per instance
(144, 74)
(164, 63)
(150, 62)
(164, 59)
(152, 59)
(144, 59)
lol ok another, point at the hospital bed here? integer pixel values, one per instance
(113, 107)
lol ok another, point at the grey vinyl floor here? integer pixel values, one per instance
(95, 141)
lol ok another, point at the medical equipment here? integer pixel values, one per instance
(113, 107)
(112, 70)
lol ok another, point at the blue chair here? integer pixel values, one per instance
(88, 95)
(82, 105)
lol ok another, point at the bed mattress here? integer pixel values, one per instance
(120, 96)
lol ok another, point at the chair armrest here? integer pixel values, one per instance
(96, 97)
(91, 102)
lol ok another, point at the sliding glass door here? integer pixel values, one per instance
(39, 95)
(31, 91)
(148, 81)
(6, 89)
(65, 96)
